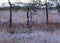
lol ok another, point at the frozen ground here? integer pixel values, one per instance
(34, 37)
(42, 33)
(20, 16)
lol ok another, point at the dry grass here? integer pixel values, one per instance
(22, 27)
(35, 25)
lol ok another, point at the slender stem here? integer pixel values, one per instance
(28, 16)
(10, 20)
(46, 11)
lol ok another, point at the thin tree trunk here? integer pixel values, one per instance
(10, 16)
(28, 17)
(47, 13)
(29, 20)
(10, 20)
(58, 8)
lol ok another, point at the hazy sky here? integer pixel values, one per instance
(2, 1)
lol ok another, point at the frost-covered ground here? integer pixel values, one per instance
(42, 33)
(34, 37)
(40, 16)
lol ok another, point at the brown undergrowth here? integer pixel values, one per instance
(23, 27)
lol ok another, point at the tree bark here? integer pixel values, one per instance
(10, 20)
(47, 13)
(29, 20)
(28, 17)
(58, 8)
